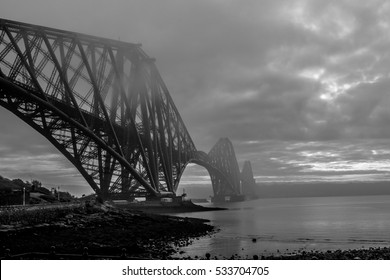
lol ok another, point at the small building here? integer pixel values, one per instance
(13, 196)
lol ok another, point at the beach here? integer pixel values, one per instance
(104, 231)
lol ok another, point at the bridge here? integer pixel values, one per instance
(103, 105)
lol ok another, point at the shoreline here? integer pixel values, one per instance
(168, 208)
(108, 233)
(103, 229)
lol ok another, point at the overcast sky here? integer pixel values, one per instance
(300, 87)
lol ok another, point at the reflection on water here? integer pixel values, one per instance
(282, 225)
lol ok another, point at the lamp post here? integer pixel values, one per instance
(58, 193)
(24, 196)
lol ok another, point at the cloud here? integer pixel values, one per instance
(319, 160)
(254, 71)
(27, 155)
(275, 69)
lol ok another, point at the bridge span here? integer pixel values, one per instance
(103, 104)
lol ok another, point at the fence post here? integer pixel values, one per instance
(7, 254)
(52, 254)
(85, 252)
(124, 253)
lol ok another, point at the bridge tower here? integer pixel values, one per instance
(248, 183)
(223, 157)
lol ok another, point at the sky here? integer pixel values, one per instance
(301, 88)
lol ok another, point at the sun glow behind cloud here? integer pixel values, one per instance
(344, 166)
(353, 160)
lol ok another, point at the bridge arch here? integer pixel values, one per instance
(195, 182)
(222, 166)
(213, 173)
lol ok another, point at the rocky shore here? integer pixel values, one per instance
(103, 230)
(379, 253)
(352, 254)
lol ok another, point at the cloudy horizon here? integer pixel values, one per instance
(301, 88)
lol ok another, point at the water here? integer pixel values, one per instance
(285, 225)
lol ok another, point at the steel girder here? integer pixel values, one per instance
(103, 104)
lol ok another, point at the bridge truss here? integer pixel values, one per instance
(103, 104)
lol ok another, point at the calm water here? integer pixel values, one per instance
(283, 225)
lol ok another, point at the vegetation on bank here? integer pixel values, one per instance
(16, 191)
(30, 217)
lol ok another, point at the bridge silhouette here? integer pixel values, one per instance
(103, 104)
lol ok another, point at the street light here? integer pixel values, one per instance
(24, 196)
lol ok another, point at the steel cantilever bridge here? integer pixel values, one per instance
(103, 104)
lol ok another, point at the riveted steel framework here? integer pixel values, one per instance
(103, 104)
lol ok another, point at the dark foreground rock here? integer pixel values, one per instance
(104, 231)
